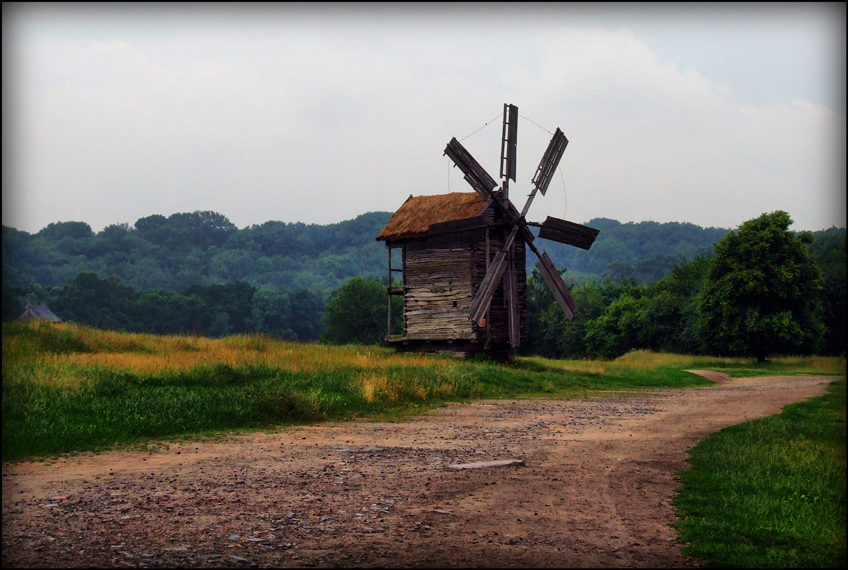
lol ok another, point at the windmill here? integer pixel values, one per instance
(440, 232)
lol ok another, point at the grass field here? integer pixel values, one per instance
(770, 493)
(767, 493)
(69, 388)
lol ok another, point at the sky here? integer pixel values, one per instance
(712, 114)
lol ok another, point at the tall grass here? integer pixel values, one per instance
(71, 388)
(770, 493)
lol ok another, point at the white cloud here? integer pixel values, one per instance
(302, 119)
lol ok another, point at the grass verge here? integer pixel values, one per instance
(770, 493)
(68, 388)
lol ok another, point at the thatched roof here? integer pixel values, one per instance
(417, 214)
(39, 312)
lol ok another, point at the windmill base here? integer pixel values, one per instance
(497, 351)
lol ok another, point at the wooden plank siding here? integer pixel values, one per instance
(438, 290)
(441, 275)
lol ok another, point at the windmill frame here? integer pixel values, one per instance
(442, 266)
(464, 255)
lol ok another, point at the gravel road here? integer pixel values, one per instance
(594, 488)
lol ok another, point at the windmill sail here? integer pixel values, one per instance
(509, 141)
(479, 179)
(550, 161)
(556, 285)
(568, 233)
(483, 297)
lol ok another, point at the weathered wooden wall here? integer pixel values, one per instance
(438, 289)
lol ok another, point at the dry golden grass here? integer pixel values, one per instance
(648, 360)
(814, 364)
(153, 354)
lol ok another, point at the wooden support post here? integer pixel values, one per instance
(488, 311)
(389, 293)
(511, 294)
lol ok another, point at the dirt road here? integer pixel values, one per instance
(594, 489)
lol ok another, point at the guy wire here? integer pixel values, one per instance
(486, 124)
(535, 123)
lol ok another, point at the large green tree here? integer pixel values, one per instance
(761, 296)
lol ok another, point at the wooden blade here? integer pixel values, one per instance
(483, 298)
(475, 174)
(509, 141)
(556, 285)
(568, 233)
(550, 161)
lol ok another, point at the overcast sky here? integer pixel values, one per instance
(317, 114)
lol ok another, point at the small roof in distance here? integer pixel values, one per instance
(39, 312)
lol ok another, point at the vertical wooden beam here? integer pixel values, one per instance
(511, 293)
(389, 292)
(403, 284)
(488, 311)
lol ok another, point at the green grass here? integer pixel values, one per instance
(779, 366)
(68, 388)
(770, 493)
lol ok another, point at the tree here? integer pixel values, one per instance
(91, 300)
(233, 299)
(73, 230)
(14, 302)
(761, 296)
(152, 228)
(828, 251)
(357, 313)
(271, 313)
(164, 312)
(307, 310)
(619, 328)
(669, 317)
(549, 333)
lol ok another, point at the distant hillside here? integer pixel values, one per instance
(198, 248)
(643, 250)
(205, 248)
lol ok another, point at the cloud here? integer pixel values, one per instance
(299, 119)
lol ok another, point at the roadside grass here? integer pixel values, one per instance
(68, 388)
(740, 367)
(770, 493)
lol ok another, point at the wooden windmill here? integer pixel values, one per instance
(463, 255)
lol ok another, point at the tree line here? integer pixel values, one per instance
(205, 248)
(666, 301)
(198, 248)
(208, 310)
(765, 290)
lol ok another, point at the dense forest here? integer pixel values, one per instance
(197, 272)
(198, 248)
(205, 248)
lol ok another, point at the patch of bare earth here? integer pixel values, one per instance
(594, 490)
